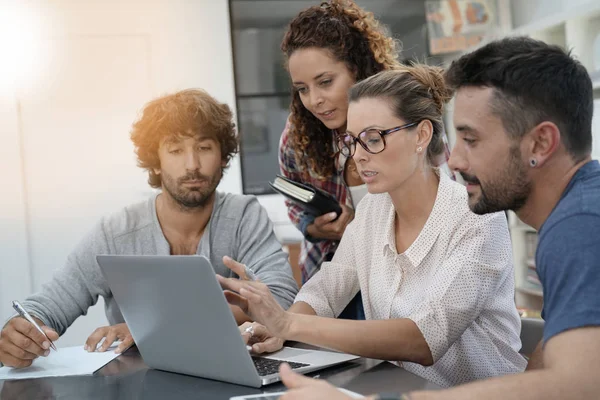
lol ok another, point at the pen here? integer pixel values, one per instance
(23, 313)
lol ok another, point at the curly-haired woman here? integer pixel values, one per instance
(328, 48)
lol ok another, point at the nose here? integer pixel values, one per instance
(458, 161)
(360, 154)
(316, 98)
(192, 161)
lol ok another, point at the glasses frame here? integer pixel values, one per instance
(382, 133)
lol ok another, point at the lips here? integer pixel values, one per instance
(368, 173)
(469, 179)
(327, 114)
(368, 176)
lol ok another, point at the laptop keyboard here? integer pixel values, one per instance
(268, 366)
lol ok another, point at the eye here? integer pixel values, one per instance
(175, 151)
(301, 90)
(205, 148)
(469, 141)
(326, 82)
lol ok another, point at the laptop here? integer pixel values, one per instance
(181, 322)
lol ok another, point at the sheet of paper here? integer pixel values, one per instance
(67, 361)
(276, 396)
(352, 394)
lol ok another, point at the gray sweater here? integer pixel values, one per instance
(239, 227)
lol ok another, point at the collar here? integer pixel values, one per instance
(424, 242)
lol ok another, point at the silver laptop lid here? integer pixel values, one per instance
(179, 317)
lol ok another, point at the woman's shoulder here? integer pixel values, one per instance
(373, 207)
(455, 197)
(463, 218)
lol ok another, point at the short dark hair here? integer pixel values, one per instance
(533, 82)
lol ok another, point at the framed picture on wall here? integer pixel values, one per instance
(456, 25)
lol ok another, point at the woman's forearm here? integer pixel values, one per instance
(302, 308)
(392, 340)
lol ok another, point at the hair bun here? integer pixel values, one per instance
(433, 78)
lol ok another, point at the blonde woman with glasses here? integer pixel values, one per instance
(436, 279)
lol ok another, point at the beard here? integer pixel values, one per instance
(508, 191)
(190, 197)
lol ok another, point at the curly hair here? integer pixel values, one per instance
(353, 36)
(186, 113)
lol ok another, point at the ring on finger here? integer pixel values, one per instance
(250, 330)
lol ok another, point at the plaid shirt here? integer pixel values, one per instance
(315, 251)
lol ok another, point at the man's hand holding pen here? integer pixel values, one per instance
(21, 342)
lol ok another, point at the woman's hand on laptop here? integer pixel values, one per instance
(255, 299)
(259, 338)
(110, 334)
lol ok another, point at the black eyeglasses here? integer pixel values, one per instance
(372, 140)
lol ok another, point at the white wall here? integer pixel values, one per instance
(527, 11)
(107, 58)
(14, 255)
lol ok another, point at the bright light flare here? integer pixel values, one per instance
(20, 46)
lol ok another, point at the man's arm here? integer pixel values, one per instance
(258, 248)
(74, 287)
(571, 366)
(536, 360)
